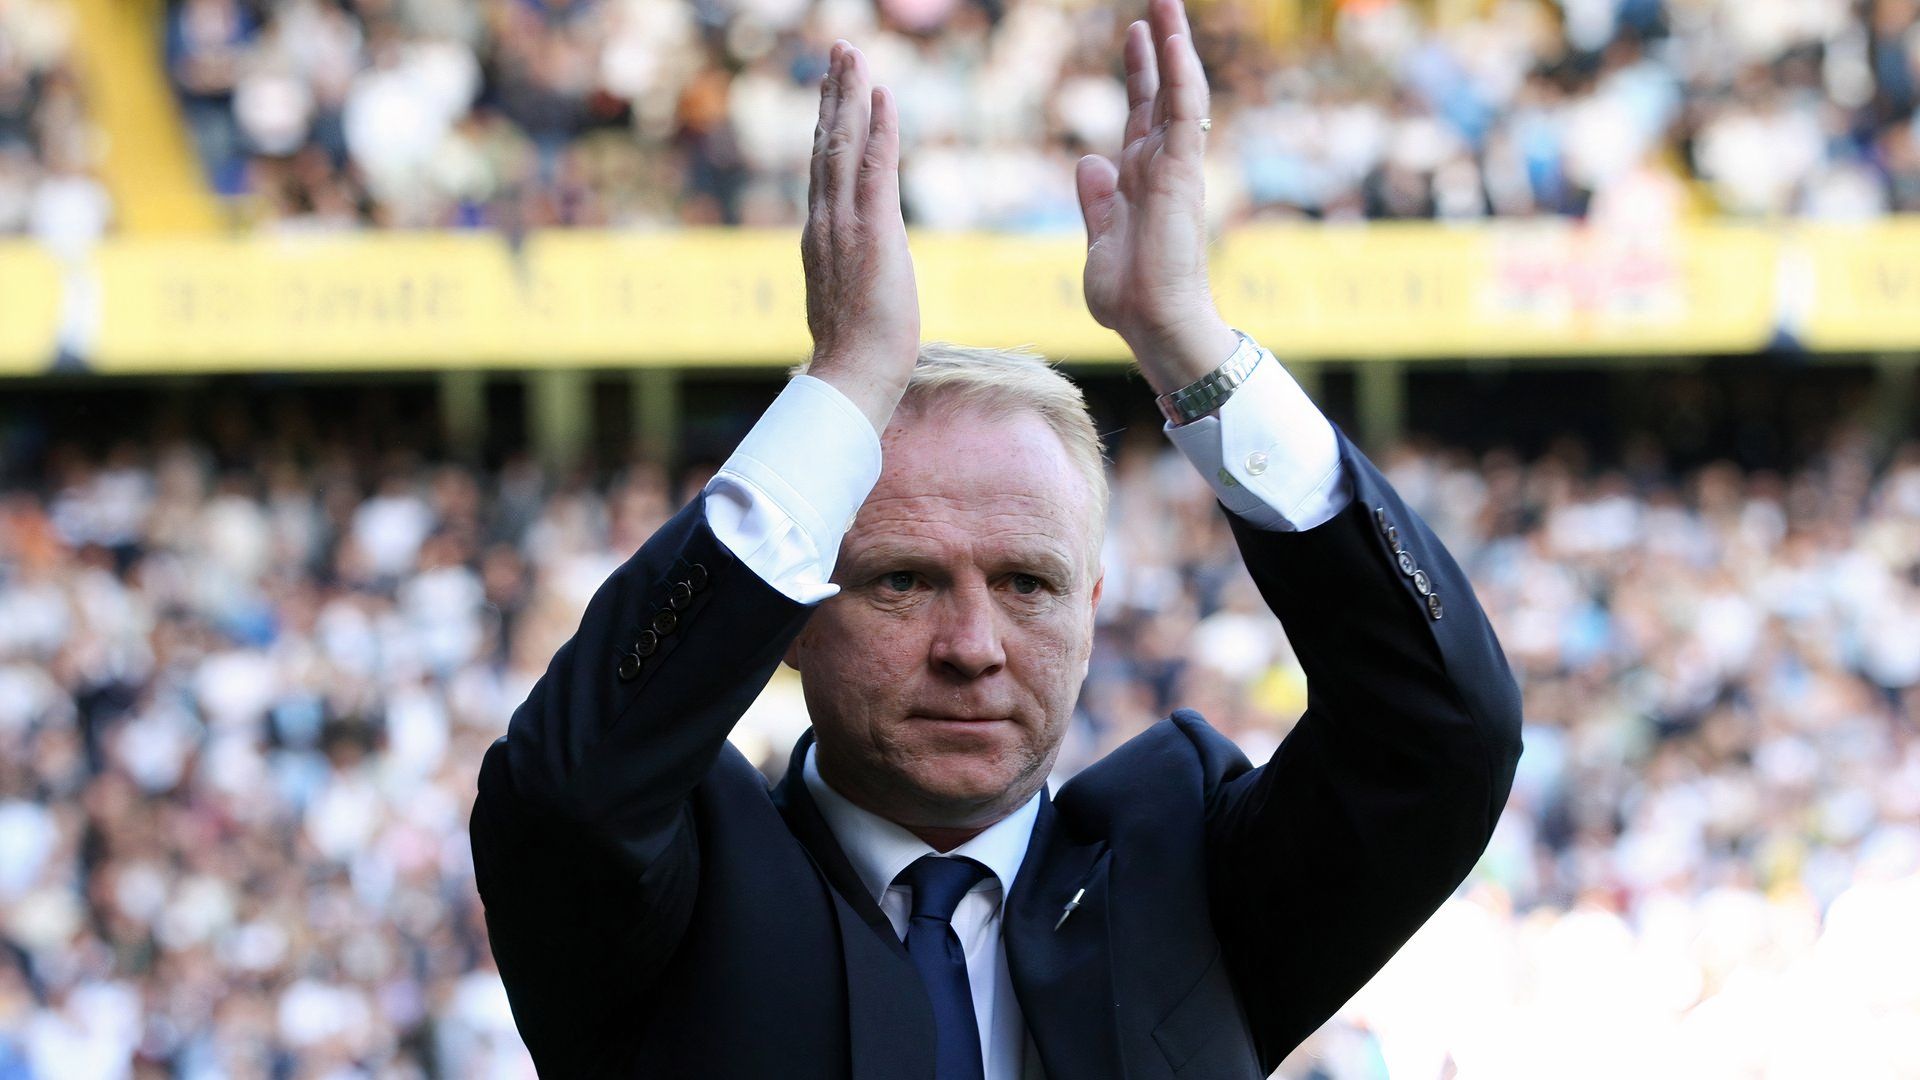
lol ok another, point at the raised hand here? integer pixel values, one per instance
(1146, 274)
(862, 306)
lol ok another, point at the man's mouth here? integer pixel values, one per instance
(956, 718)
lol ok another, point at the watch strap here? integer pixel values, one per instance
(1210, 391)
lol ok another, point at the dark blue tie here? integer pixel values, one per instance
(938, 884)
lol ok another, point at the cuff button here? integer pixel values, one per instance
(1380, 518)
(629, 667)
(679, 596)
(1407, 565)
(1392, 533)
(645, 645)
(696, 577)
(1422, 584)
(664, 622)
(1433, 606)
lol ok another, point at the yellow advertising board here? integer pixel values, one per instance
(1007, 290)
(30, 301)
(701, 297)
(733, 297)
(1857, 286)
(705, 297)
(1417, 291)
(373, 300)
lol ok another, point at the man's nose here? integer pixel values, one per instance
(966, 642)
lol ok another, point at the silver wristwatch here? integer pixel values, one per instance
(1210, 391)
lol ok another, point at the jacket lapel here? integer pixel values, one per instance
(1064, 977)
(889, 1020)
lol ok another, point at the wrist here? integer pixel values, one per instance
(1205, 396)
(1176, 358)
(875, 396)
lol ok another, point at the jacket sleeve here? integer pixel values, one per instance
(584, 848)
(1377, 804)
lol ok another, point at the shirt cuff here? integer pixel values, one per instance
(784, 500)
(1269, 454)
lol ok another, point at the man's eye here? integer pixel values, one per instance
(1026, 584)
(899, 581)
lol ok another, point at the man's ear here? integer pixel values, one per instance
(1093, 609)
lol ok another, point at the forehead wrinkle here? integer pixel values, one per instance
(991, 502)
(916, 538)
(931, 512)
(1000, 537)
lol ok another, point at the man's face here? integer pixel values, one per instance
(941, 679)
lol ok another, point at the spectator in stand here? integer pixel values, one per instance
(649, 113)
(208, 43)
(48, 145)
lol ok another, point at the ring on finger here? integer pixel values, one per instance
(1206, 123)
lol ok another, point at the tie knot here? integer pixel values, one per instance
(938, 884)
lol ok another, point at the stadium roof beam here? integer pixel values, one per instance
(559, 416)
(655, 409)
(463, 412)
(1380, 400)
(1896, 378)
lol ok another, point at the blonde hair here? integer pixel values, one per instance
(951, 378)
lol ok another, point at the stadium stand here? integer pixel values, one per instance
(520, 114)
(247, 680)
(49, 146)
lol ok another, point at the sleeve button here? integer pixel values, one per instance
(1433, 605)
(679, 596)
(645, 645)
(1392, 533)
(696, 577)
(1422, 584)
(629, 667)
(664, 622)
(1407, 565)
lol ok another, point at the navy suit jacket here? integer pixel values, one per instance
(657, 911)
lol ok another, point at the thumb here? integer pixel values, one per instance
(1098, 183)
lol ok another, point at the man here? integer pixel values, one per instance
(909, 902)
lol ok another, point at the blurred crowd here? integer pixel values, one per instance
(48, 144)
(244, 695)
(516, 114)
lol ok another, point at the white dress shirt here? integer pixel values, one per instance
(880, 850)
(785, 499)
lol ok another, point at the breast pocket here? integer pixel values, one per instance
(1205, 1034)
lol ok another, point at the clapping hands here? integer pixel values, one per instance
(1146, 273)
(1146, 269)
(862, 306)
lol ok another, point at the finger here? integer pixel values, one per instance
(1098, 183)
(829, 102)
(1185, 90)
(847, 142)
(1180, 10)
(1164, 20)
(879, 190)
(1143, 80)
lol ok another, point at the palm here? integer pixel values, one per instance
(1152, 256)
(1146, 271)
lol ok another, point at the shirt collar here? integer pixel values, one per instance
(879, 849)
